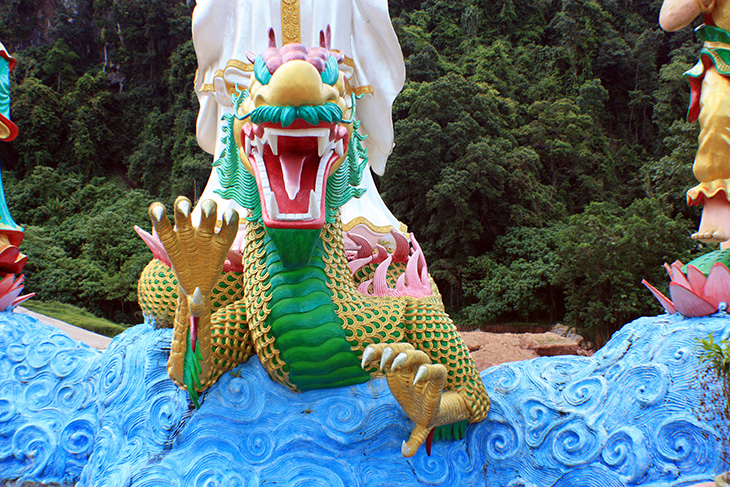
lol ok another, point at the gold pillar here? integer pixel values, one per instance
(290, 22)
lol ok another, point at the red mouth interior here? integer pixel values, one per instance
(294, 153)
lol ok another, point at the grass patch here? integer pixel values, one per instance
(76, 316)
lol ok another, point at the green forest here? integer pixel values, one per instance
(541, 157)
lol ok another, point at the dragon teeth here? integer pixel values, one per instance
(314, 212)
(272, 208)
(339, 148)
(272, 138)
(322, 143)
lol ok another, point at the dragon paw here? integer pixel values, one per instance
(416, 384)
(197, 253)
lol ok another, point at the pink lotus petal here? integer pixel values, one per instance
(669, 270)
(6, 284)
(6, 301)
(22, 298)
(688, 303)
(696, 280)
(663, 300)
(678, 276)
(717, 286)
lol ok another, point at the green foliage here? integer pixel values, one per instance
(74, 315)
(606, 251)
(541, 155)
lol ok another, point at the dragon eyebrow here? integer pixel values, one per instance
(286, 115)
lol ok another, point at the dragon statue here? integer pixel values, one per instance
(320, 308)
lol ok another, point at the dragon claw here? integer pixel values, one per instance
(399, 361)
(197, 297)
(367, 355)
(208, 207)
(385, 357)
(158, 211)
(183, 206)
(405, 451)
(421, 374)
(228, 215)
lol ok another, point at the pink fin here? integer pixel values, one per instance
(402, 247)
(688, 303)
(234, 262)
(365, 250)
(380, 283)
(158, 250)
(663, 300)
(717, 286)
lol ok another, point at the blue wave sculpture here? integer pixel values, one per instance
(627, 416)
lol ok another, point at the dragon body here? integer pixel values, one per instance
(315, 315)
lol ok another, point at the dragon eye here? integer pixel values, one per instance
(331, 72)
(261, 71)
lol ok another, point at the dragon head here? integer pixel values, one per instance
(292, 133)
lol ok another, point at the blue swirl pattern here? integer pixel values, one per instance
(48, 413)
(624, 417)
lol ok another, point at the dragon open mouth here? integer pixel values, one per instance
(291, 166)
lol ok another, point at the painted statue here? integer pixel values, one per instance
(293, 152)
(710, 104)
(11, 234)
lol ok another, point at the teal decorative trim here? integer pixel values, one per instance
(261, 71)
(341, 186)
(237, 183)
(331, 72)
(329, 112)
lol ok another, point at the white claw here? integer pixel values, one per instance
(421, 374)
(209, 208)
(387, 355)
(398, 362)
(228, 215)
(184, 207)
(405, 451)
(197, 297)
(158, 211)
(367, 355)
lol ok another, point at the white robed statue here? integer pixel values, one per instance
(224, 30)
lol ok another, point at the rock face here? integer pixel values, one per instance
(489, 349)
(620, 418)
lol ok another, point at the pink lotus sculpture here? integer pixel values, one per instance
(694, 294)
(10, 289)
